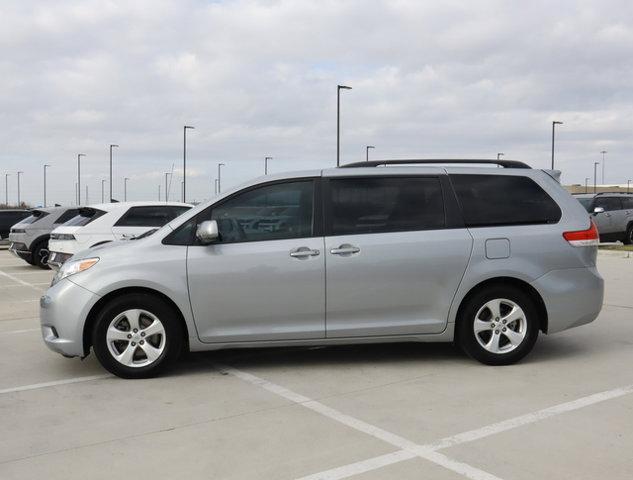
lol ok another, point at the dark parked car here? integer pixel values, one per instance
(8, 218)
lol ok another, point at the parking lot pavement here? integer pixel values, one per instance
(364, 412)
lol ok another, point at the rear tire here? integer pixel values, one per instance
(498, 325)
(137, 335)
(40, 254)
(628, 237)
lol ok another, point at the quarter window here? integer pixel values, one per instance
(67, 215)
(492, 200)
(271, 212)
(385, 204)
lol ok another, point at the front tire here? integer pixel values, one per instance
(628, 237)
(498, 325)
(137, 336)
(40, 255)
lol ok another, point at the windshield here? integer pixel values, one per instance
(586, 202)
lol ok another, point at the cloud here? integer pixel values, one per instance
(259, 78)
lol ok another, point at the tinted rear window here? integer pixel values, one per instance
(586, 202)
(385, 204)
(34, 217)
(491, 200)
(151, 216)
(85, 216)
(67, 215)
(628, 203)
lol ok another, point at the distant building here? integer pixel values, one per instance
(577, 188)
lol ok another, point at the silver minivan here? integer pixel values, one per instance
(375, 252)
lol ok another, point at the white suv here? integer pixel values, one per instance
(107, 222)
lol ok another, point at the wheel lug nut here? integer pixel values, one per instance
(129, 336)
(133, 343)
(142, 334)
(504, 322)
(142, 342)
(496, 319)
(492, 325)
(504, 329)
(496, 333)
(135, 330)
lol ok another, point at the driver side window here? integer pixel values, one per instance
(272, 212)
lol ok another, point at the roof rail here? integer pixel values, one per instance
(611, 193)
(416, 161)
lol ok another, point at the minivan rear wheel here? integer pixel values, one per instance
(137, 335)
(498, 325)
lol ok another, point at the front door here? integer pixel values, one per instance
(392, 265)
(265, 277)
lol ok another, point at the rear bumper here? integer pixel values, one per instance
(63, 312)
(572, 297)
(20, 250)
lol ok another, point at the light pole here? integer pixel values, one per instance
(6, 189)
(628, 185)
(595, 175)
(102, 190)
(19, 173)
(266, 164)
(184, 161)
(603, 152)
(45, 167)
(215, 184)
(182, 188)
(367, 152)
(125, 189)
(554, 123)
(111, 147)
(338, 121)
(79, 155)
(166, 189)
(219, 178)
(586, 184)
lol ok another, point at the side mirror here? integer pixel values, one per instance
(598, 210)
(207, 232)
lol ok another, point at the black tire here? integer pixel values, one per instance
(628, 237)
(475, 304)
(173, 335)
(39, 257)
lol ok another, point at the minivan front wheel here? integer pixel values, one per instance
(137, 336)
(498, 325)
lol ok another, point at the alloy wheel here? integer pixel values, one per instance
(136, 338)
(500, 326)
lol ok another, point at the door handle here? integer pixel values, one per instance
(345, 249)
(303, 252)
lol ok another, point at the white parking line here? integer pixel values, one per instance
(408, 446)
(352, 469)
(67, 381)
(19, 280)
(15, 332)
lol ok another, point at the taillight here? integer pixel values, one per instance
(583, 238)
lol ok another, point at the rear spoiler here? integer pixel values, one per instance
(555, 174)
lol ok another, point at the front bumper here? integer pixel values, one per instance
(64, 309)
(572, 297)
(20, 250)
(57, 259)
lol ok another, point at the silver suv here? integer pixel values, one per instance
(29, 238)
(486, 257)
(613, 214)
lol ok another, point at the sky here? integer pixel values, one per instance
(450, 79)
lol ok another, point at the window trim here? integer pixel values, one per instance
(317, 214)
(451, 219)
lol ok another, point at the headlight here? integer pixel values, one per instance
(71, 268)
